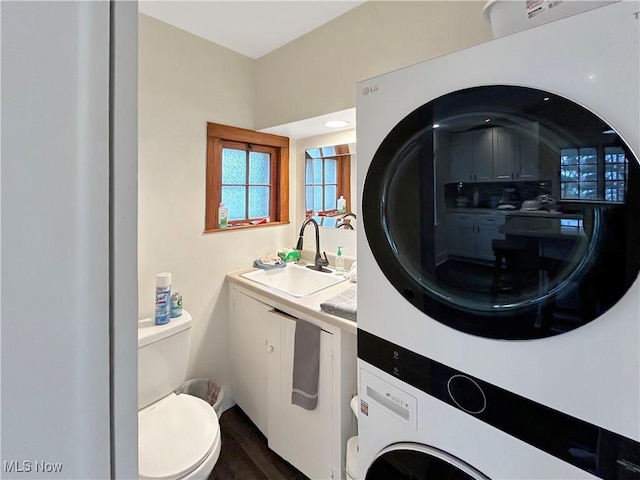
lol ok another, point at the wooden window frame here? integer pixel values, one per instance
(343, 186)
(220, 135)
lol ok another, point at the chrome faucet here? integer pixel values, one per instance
(319, 262)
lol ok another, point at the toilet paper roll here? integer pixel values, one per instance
(355, 402)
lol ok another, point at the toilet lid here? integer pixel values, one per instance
(175, 435)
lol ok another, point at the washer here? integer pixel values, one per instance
(501, 211)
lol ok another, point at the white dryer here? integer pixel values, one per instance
(501, 213)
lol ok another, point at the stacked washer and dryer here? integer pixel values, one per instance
(518, 357)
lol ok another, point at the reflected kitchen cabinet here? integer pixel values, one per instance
(462, 157)
(472, 156)
(471, 235)
(528, 161)
(497, 153)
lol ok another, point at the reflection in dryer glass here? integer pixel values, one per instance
(517, 217)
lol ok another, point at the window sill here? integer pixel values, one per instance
(233, 228)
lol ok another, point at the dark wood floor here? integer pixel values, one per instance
(245, 454)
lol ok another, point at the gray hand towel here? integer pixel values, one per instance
(306, 365)
(343, 305)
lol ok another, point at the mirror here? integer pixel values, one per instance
(329, 186)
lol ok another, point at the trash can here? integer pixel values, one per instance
(206, 389)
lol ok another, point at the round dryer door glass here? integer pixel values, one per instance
(420, 462)
(505, 212)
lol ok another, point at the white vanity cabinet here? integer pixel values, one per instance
(262, 341)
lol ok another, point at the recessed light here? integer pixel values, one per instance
(546, 99)
(436, 125)
(335, 123)
(487, 120)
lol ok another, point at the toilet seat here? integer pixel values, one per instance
(175, 436)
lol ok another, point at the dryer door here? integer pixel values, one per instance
(505, 212)
(412, 461)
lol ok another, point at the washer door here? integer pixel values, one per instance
(412, 461)
(505, 212)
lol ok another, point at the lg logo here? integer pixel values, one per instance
(368, 90)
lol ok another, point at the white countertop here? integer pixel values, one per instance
(309, 305)
(516, 212)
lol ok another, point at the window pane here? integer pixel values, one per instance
(569, 156)
(317, 171)
(234, 166)
(569, 173)
(258, 202)
(589, 173)
(615, 171)
(589, 190)
(570, 190)
(330, 198)
(613, 154)
(588, 155)
(308, 175)
(259, 168)
(235, 200)
(614, 191)
(330, 222)
(331, 170)
(314, 152)
(328, 151)
(317, 199)
(308, 198)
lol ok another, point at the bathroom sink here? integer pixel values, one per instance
(294, 280)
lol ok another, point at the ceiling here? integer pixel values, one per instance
(252, 28)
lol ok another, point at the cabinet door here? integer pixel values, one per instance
(528, 153)
(304, 437)
(483, 154)
(248, 349)
(503, 154)
(487, 230)
(461, 157)
(460, 234)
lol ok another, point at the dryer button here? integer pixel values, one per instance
(467, 394)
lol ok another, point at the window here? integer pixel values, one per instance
(593, 174)
(248, 172)
(327, 177)
(616, 170)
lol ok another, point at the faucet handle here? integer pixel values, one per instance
(323, 262)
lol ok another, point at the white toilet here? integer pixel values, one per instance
(178, 435)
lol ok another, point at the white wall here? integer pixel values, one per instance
(55, 238)
(316, 74)
(185, 82)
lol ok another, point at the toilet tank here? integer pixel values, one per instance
(163, 353)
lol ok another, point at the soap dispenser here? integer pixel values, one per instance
(339, 261)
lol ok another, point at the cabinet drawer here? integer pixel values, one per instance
(488, 219)
(461, 218)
